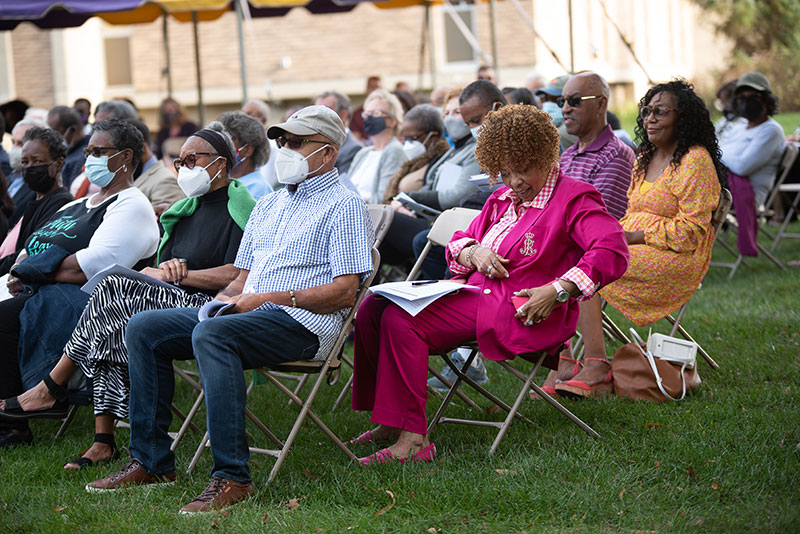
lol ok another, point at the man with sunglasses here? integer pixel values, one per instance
(303, 254)
(599, 158)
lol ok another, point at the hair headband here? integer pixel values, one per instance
(217, 141)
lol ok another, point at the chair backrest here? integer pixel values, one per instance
(449, 222)
(381, 215)
(445, 225)
(787, 160)
(721, 213)
(311, 366)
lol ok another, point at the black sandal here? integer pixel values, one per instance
(107, 439)
(14, 411)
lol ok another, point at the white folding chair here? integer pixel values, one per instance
(448, 223)
(512, 411)
(321, 369)
(382, 216)
(787, 160)
(789, 157)
(612, 331)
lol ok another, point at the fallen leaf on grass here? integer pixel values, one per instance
(621, 493)
(412, 495)
(266, 518)
(56, 509)
(493, 409)
(691, 472)
(699, 522)
(652, 425)
(714, 486)
(388, 506)
(658, 465)
(307, 472)
(705, 320)
(293, 504)
(434, 530)
(786, 391)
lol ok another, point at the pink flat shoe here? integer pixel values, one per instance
(363, 439)
(383, 456)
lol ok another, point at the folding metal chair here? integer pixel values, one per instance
(789, 157)
(322, 369)
(794, 208)
(382, 216)
(763, 212)
(614, 332)
(512, 411)
(446, 224)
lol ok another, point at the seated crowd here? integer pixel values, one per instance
(274, 220)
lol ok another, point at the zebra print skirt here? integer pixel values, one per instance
(97, 345)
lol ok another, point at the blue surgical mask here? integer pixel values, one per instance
(554, 111)
(97, 172)
(476, 132)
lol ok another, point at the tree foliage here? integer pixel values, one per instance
(766, 37)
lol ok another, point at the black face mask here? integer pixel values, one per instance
(750, 108)
(374, 125)
(38, 178)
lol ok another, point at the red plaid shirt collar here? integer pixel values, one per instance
(541, 199)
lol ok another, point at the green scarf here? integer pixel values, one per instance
(240, 204)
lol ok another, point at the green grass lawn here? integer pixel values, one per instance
(724, 460)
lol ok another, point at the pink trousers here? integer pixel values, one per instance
(391, 355)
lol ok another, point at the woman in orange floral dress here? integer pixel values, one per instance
(673, 194)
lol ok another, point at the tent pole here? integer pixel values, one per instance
(431, 49)
(493, 25)
(571, 39)
(201, 114)
(168, 68)
(242, 59)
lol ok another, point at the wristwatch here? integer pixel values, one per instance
(562, 295)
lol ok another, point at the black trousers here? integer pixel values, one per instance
(397, 247)
(10, 377)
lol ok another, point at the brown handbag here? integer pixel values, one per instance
(634, 377)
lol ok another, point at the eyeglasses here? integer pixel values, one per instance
(574, 101)
(97, 151)
(190, 160)
(659, 112)
(374, 113)
(296, 142)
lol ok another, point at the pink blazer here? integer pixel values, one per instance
(573, 229)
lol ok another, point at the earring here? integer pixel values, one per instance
(124, 168)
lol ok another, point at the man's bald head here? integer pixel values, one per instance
(585, 117)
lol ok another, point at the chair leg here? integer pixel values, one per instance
(187, 422)
(682, 331)
(197, 454)
(347, 387)
(443, 380)
(67, 420)
(299, 386)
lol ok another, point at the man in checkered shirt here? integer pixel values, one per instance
(304, 252)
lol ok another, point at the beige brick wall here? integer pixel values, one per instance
(33, 68)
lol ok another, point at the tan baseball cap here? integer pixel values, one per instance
(312, 120)
(756, 80)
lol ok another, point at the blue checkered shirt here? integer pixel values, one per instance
(306, 238)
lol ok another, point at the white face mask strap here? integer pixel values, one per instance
(321, 164)
(426, 138)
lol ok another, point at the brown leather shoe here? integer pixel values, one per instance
(133, 474)
(220, 492)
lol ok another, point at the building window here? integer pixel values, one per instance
(457, 48)
(118, 61)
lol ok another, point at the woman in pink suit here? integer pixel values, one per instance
(543, 236)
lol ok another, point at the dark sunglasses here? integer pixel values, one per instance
(190, 160)
(659, 112)
(97, 151)
(574, 101)
(296, 142)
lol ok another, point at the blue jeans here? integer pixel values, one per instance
(224, 347)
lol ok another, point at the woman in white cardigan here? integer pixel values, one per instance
(373, 166)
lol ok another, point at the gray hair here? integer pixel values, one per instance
(427, 116)
(263, 108)
(29, 122)
(116, 109)
(246, 130)
(342, 101)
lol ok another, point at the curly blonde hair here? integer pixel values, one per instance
(517, 138)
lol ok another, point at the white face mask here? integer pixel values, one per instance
(415, 149)
(291, 167)
(476, 132)
(195, 182)
(15, 157)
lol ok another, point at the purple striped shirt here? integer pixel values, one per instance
(607, 164)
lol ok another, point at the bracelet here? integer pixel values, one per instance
(291, 296)
(470, 251)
